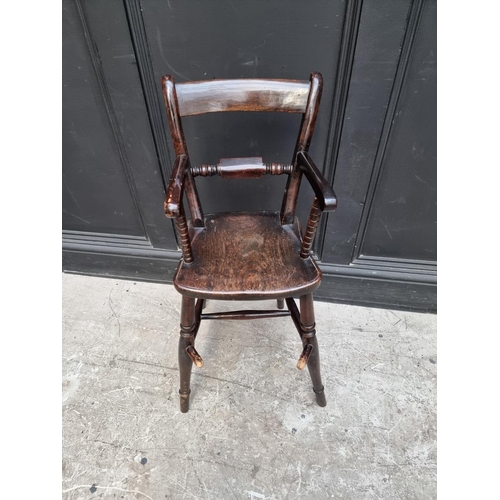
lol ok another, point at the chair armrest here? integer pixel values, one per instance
(324, 193)
(173, 196)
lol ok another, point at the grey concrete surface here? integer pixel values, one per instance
(254, 430)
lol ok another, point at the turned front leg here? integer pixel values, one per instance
(308, 327)
(186, 340)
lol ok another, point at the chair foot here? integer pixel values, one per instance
(320, 397)
(281, 303)
(184, 400)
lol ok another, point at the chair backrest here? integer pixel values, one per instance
(196, 98)
(200, 97)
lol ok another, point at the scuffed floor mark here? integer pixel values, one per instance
(300, 477)
(94, 487)
(71, 383)
(254, 494)
(110, 302)
(254, 422)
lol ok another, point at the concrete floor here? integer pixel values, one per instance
(254, 430)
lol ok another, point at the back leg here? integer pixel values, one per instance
(281, 303)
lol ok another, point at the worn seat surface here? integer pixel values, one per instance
(247, 255)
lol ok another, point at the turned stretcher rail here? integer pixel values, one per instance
(246, 314)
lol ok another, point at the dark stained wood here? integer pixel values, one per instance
(174, 118)
(241, 168)
(200, 305)
(196, 98)
(173, 196)
(204, 170)
(307, 319)
(308, 325)
(303, 141)
(247, 314)
(294, 313)
(327, 199)
(246, 256)
(313, 365)
(278, 169)
(193, 200)
(180, 148)
(186, 339)
(183, 233)
(181, 180)
(311, 113)
(312, 226)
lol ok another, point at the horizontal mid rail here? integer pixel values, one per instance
(241, 168)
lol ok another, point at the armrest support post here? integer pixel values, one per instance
(325, 199)
(312, 226)
(183, 235)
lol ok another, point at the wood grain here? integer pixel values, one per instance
(173, 196)
(303, 141)
(327, 200)
(241, 168)
(211, 96)
(312, 226)
(246, 256)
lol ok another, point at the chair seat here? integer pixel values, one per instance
(246, 256)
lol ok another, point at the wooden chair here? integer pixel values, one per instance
(246, 255)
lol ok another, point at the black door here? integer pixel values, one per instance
(376, 132)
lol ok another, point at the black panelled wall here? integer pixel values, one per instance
(375, 138)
